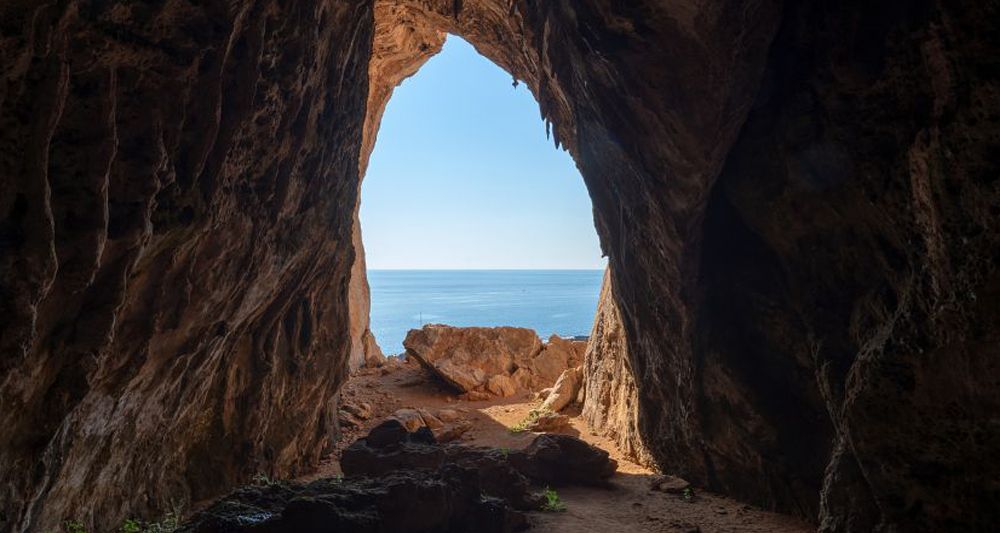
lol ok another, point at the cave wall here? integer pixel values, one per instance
(177, 181)
(848, 290)
(807, 308)
(798, 201)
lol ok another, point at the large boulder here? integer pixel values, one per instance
(448, 500)
(565, 391)
(546, 367)
(549, 459)
(484, 363)
(564, 460)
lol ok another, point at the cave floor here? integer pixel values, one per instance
(629, 506)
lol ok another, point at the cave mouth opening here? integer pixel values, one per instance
(469, 215)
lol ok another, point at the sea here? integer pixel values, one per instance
(560, 302)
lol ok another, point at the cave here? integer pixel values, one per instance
(798, 201)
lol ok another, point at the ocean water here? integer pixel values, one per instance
(549, 301)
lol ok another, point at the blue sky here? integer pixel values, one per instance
(463, 177)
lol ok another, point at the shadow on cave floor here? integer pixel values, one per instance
(628, 506)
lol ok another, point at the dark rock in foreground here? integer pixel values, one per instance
(447, 500)
(398, 481)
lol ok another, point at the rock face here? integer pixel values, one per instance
(610, 393)
(175, 246)
(365, 350)
(565, 391)
(491, 362)
(846, 321)
(798, 201)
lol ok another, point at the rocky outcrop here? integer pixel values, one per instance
(611, 403)
(414, 501)
(401, 481)
(565, 390)
(555, 460)
(491, 362)
(446, 424)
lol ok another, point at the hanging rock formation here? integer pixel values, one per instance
(799, 202)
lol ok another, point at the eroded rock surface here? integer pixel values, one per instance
(549, 459)
(417, 501)
(492, 362)
(176, 186)
(610, 404)
(565, 390)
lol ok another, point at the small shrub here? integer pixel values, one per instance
(688, 495)
(131, 526)
(533, 415)
(552, 502)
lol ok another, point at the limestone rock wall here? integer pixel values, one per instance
(177, 181)
(610, 393)
(363, 343)
(847, 311)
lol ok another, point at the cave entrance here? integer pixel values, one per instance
(470, 215)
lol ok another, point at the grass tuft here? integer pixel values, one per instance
(552, 502)
(533, 415)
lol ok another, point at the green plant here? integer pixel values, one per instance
(74, 526)
(688, 494)
(504, 452)
(170, 523)
(533, 415)
(552, 502)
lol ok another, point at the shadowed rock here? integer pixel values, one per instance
(447, 500)
(549, 459)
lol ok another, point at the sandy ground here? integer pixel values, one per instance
(629, 506)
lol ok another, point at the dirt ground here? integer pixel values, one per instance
(629, 506)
